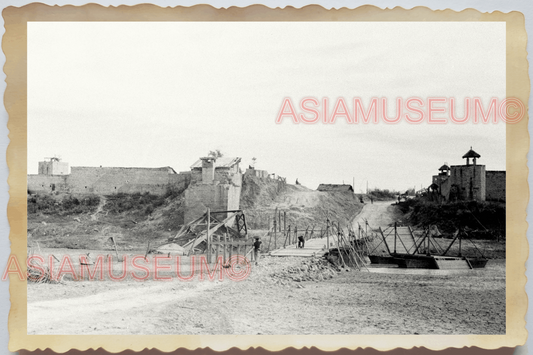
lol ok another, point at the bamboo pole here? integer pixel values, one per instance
(356, 254)
(351, 250)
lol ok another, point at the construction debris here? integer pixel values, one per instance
(37, 276)
(311, 269)
(193, 236)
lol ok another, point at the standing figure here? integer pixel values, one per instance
(301, 242)
(257, 249)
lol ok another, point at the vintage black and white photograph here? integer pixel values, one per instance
(266, 178)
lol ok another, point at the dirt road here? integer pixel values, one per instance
(377, 214)
(353, 302)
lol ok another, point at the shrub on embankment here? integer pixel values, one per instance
(482, 220)
(62, 205)
(88, 221)
(383, 194)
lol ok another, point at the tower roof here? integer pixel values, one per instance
(471, 154)
(444, 167)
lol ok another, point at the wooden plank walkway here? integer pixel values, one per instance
(313, 247)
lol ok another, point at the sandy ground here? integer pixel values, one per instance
(354, 302)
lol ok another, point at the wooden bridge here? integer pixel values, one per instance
(313, 247)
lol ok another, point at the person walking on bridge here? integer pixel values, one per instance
(301, 241)
(257, 249)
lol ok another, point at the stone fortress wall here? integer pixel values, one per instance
(495, 185)
(106, 180)
(213, 183)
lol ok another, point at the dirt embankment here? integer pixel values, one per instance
(261, 198)
(89, 221)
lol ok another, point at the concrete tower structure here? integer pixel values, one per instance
(469, 182)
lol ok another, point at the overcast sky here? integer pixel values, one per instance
(158, 94)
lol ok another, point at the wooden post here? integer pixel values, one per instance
(428, 236)
(116, 251)
(327, 232)
(218, 248)
(285, 221)
(287, 235)
(395, 232)
(279, 221)
(208, 236)
(225, 245)
(338, 246)
(460, 243)
(269, 240)
(296, 234)
(275, 235)
(275, 218)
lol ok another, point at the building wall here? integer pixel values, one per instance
(47, 183)
(110, 180)
(223, 175)
(222, 195)
(218, 197)
(473, 182)
(53, 168)
(495, 185)
(470, 181)
(444, 184)
(208, 171)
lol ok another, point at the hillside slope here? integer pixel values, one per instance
(133, 220)
(260, 198)
(89, 221)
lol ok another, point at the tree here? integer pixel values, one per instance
(215, 153)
